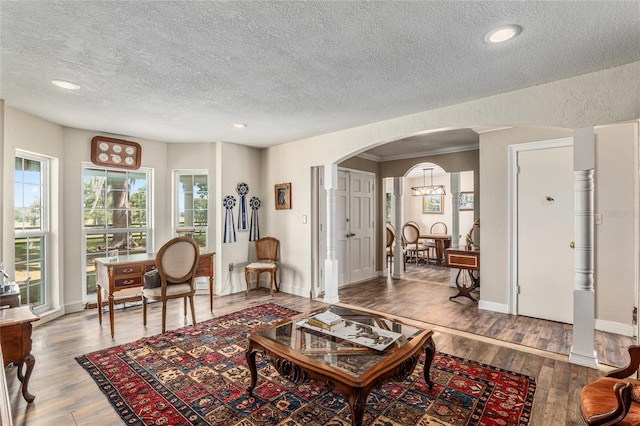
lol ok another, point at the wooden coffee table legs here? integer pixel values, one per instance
(356, 396)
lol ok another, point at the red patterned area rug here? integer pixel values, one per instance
(199, 375)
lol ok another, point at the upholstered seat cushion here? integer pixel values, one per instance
(598, 398)
(172, 289)
(261, 265)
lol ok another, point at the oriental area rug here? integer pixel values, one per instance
(198, 375)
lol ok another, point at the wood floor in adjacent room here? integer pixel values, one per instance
(66, 394)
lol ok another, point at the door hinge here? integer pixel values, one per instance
(634, 316)
(517, 289)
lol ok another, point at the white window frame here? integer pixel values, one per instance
(86, 297)
(45, 228)
(176, 196)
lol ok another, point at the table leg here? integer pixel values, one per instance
(251, 361)
(99, 296)
(30, 361)
(111, 309)
(357, 407)
(464, 290)
(211, 292)
(429, 353)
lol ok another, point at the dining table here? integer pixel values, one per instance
(442, 242)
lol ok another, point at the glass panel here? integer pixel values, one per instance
(138, 242)
(201, 217)
(18, 217)
(35, 248)
(95, 218)
(116, 181)
(201, 238)
(117, 200)
(138, 219)
(20, 250)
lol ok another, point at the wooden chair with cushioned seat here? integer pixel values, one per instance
(613, 399)
(266, 256)
(438, 228)
(411, 234)
(176, 263)
(391, 237)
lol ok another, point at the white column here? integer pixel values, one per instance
(583, 349)
(398, 219)
(331, 262)
(455, 220)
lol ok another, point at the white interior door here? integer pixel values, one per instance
(545, 231)
(354, 226)
(343, 251)
(361, 226)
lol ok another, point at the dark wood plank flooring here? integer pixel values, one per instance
(66, 395)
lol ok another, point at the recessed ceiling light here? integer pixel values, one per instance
(502, 34)
(239, 125)
(65, 84)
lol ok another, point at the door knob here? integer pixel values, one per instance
(572, 244)
(352, 235)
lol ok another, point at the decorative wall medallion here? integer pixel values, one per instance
(118, 153)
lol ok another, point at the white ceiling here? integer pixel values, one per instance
(186, 71)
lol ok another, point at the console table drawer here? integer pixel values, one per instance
(128, 270)
(128, 282)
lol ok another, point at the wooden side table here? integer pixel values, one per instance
(15, 339)
(467, 260)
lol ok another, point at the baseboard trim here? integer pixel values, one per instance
(615, 328)
(493, 306)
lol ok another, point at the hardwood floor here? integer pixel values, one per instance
(66, 394)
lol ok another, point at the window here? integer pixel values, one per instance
(192, 204)
(116, 211)
(31, 226)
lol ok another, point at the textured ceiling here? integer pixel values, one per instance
(186, 71)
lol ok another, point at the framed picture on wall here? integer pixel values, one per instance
(283, 196)
(433, 204)
(466, 201)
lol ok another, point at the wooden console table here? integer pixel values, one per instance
(15, 339)
(128, 272)
(464, 260)
(11, 296)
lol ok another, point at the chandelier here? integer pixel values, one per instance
(427, 189)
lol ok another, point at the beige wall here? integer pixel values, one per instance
(494, 211)
(617, 237)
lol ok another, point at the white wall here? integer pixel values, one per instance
(238, 164)
(29, 133)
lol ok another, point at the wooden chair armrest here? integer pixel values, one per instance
(622, 392)
(631, 368)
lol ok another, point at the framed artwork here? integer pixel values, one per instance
(466, 201)
(433, 204)
(283, 196)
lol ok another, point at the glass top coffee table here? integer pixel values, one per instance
(363, 352)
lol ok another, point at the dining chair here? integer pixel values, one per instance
(438, 228)
(176, 263)
(390, 239)
(411, 233)
(267, 257)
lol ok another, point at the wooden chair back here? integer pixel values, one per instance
(438, 228)
(267, 249)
